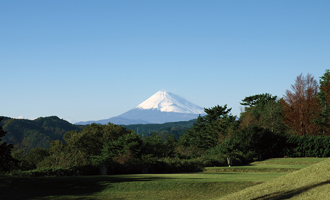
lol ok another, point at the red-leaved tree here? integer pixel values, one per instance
(301, 106)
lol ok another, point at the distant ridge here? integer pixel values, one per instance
(160, 108)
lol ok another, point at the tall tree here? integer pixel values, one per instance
(324, 98)
(301, 106)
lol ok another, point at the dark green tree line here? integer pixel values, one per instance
(7, 162)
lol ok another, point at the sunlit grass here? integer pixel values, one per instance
(312, 182)
(210, 185)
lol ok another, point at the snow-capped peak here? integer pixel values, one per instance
(169, 102)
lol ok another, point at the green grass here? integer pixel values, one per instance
(207, 185)
(136, 186)
(290, 161)
(312, 182)
(271, 165)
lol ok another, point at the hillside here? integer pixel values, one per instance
(175, 128)
(29, 134)
(308, 183)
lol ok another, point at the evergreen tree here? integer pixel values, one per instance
(263, 110)
(253, 142)
(211, 129)
(324, 98)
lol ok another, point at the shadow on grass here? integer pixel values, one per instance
(291, 193)
(82, 187)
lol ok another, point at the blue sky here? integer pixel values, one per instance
(90, 60)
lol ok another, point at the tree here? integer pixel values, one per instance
(126, 147)
(81, 146)
(153, 146)
(301, 106)
(6, 160)
(170, 146)
(323, 119)
(211, 129)
(36, 156)
(263, 110)
(253, 142)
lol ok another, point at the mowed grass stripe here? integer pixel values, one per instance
(184, 190)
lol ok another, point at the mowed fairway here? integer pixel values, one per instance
(312, 182)
(215, 182)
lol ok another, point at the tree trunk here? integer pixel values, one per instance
(229, 161)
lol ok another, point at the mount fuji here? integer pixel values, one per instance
(161, 107)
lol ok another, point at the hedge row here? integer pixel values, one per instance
(308, 146)
(58, 171)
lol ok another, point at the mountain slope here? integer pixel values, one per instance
(156, 116)
(29, 134)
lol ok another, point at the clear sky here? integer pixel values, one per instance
(91, 60)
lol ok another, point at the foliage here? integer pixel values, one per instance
(28, 134)
(323, 119)
(252, 142)
(58, 171)
(211, 129)
(81, 146)
(262, 110)
(127, 146)
(35, 157)
(170, 128)
(153, 146)
(308, 146)
(7, 162)
(301, 106)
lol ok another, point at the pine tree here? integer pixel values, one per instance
(263, 110)
(211, 129)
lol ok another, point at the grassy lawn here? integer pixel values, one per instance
(207, 185)
(135, 186)
(312, 182)
(290, 161)
(281, 165)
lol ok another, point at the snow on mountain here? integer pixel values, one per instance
(169, 102)
(161, 107)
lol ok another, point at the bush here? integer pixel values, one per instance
(163, 165)
(57, 171)
(307, 146)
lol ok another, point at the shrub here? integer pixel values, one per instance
(57, 171)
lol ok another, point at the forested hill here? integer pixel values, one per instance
(175, 128)
(28, 134)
